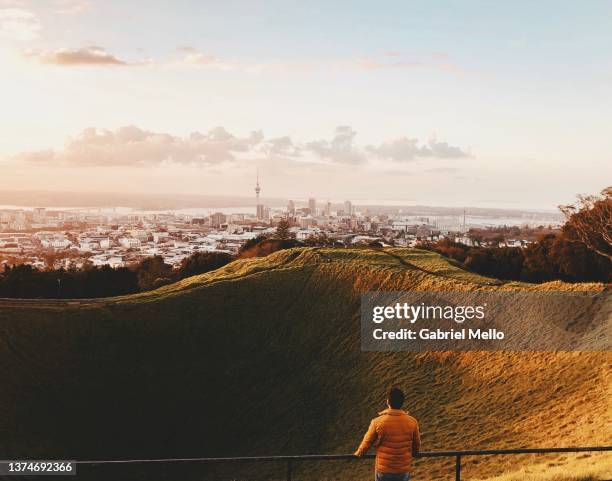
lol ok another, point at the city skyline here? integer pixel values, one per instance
(64, 238)
(441, 104)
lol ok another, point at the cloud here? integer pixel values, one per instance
(132, 146)
(194, 58)
(282, 146)
(91, 55)
(191, 57)
(340, 149)
(391, 60)
(443, 150)
(407, 149)
(72, 7)
(373, 64)
(398, 150)
(19, 24)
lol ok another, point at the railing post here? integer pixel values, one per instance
(289, 470)
(458, 468)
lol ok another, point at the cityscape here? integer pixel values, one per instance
(54, 238)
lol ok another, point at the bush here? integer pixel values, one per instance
(263, 246)
(151, 270)
(552, 257)
(26, 282)
(23, 281)
(202, 262)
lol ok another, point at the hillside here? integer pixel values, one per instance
(263, 357)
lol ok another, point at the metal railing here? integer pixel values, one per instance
(292, 460)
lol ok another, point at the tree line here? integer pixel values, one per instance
(26, 282)
(581, 252)
(552, 257)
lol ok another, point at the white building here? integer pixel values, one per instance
(303, 234)
(305, 222)
(160, 237)
(130, 242)
(465, 240)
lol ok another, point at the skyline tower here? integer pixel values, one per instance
(259, 207)
(257, 188)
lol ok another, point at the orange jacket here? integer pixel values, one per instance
(396, 437)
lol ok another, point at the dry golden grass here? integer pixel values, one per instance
(583, 467)
(300, 307)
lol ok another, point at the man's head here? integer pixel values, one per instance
(395, 398)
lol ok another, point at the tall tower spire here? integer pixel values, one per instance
(259, 208)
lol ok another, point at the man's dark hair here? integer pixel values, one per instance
(395, 397)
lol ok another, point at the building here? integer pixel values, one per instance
(130, 242)
(306, 222)
(39, 215)
(219, 218)
(312, 206)
(261, 212)
(160, 237)
(328, 209)
(56, 243)
(291, 208)
(20, 221)
(306, 233)
(465, 240)
(348, 207)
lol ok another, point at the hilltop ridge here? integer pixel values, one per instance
(263, 357)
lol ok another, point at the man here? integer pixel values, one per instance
(396, 438)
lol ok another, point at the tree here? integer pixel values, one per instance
(282, 230)
(202, 262)
(590, 221)
(248, 245)
(319, 240)
(266, 247)
(153, 272)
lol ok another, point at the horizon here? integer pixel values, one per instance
(172, 201)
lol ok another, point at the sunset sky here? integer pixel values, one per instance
(505, 104)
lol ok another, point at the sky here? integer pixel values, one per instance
(500, 104)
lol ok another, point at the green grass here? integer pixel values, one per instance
(263, 357)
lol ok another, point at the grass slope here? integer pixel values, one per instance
(263, 357)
